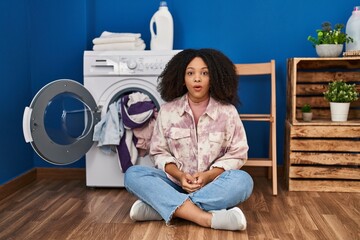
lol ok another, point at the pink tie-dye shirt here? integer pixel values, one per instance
(219, 140)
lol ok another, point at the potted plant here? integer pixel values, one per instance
(340, 94)
(329, 42)
(306, 112)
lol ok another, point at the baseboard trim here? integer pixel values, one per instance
(80, 174)
(17, 183)
(38, 174)
(61, 173)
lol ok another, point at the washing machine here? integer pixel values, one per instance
(59, 122)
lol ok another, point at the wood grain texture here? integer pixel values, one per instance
(324, 172)
(67, 209)
(317, 145)
(326, 185)
(310, 131)
(308, 78)
(310, 158)
(17, 183)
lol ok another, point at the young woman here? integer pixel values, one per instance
(198, 146)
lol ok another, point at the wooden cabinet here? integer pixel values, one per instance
(321, 155)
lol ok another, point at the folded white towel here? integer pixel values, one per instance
(109, 37)
(119, 46)
(118, 41)
(121, 39)
(112, 34)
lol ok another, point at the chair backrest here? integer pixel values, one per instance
(266, 68)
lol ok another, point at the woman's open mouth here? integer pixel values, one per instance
(197, 88)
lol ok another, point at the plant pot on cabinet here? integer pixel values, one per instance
(329, 50)
(307, 116)
(339, 111)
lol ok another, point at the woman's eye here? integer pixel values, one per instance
(189, 73)
(205, 73)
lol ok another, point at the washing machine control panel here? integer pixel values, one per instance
(127, 63)
(145, 65)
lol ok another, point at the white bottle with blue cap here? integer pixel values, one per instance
(162, 37)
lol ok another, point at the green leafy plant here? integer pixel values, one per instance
(340, 91)
(306, 108)
(328, 35)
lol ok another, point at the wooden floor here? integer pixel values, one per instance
(67, 209)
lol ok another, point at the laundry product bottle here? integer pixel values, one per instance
(162, 37)
(353, 30)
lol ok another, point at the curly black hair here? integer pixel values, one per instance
(222, 73)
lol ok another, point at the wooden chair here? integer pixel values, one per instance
(267, 68)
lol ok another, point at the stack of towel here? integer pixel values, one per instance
(118, 41)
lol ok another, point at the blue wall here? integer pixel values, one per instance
(58, 39)
(15, 155)
(44, 40)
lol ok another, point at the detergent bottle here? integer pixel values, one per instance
(353, 30)
(162, 20)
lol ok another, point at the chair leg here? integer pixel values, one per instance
(274, 165)
(273, 158)
(270, 173)
(274, 180)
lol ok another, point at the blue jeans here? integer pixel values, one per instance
(152, 186)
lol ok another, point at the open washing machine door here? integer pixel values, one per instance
(59, 123)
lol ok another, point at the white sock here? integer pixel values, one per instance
(140, 211)
(232, 219)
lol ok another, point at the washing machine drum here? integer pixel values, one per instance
(60, 120)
